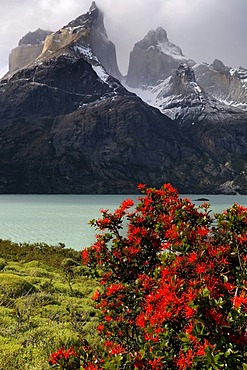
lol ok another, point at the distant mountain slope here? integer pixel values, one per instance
(225, 84)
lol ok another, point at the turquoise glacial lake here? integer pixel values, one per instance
(64, 219)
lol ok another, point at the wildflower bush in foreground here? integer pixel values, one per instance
(174, 287)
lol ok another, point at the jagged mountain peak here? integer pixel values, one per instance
(153, 59)
(84, 37)
(36, 37)
(157, 35)
(184, 98)
(225, 84)
(180, 96)
(67, 126)
(220, 67)
(158, 39)
(93, 6)
(29, 47)
(94, 18)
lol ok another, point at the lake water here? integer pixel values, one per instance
(64, 218)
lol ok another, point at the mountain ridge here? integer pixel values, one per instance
(68, 125)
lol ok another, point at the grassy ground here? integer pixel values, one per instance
(44, 303)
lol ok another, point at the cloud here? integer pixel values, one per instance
(204, 29)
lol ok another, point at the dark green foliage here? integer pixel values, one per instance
(50, 255)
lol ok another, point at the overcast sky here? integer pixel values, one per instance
(204, 29)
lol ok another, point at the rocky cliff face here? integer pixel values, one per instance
(225, 84)
(84, 37)
(29, 48)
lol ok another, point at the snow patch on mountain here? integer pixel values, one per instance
(101, 73)
(170, 49)
(176, 94)
(85, 51)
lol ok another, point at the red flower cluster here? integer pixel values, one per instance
(173, 285)
(61, 354)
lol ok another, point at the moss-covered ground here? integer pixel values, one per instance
(45, 303)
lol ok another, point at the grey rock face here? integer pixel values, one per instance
(63, 130)
(93, 33)
(153, 59)
(57, 86)
(220, 67)
(34, 38)
(223, 83)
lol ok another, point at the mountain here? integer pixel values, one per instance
(179, 87)
(69, 132)
(68, 125)
(153, 59)
(29, 48)
(227, 85)
(83, 37)
(208, 102)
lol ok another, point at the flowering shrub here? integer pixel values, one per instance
(174, 286)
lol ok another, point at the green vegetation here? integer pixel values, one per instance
(44, 303)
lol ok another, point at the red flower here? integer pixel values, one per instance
(113, 288)
(100, 327)
(185, 360)
(96, 295)
(85, 257)
(239, 300)
(92, 367)
(202, 348)
(61, 354)
(200, 268)
(127, 203)
(141, 187)
(156, 363)
(189, 312)
(140, 320)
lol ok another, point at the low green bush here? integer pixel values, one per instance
(14, 286)
(3, 263)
